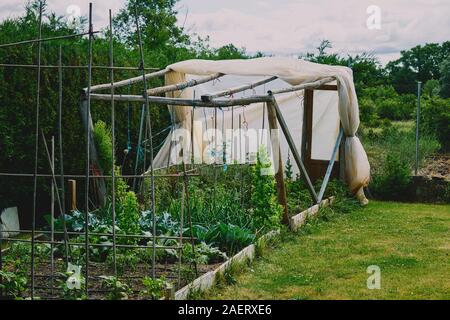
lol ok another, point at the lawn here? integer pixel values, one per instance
(329, 259)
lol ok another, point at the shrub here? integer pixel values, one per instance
(13, 284)
(153, 288)
(103, 142)
(117, 290)
(393, 180)
(368, 111)
(266, 212)
(435, 116)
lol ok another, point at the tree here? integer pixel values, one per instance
(431, 88)
(445, 79)
(162, 39)
(420, 63)
(367, 71)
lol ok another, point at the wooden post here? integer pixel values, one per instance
(308, 122)
(73, 194)
(279, 175)
(99, 182)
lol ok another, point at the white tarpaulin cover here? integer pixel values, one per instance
(329, 108)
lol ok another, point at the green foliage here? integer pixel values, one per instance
(117, 289)
(202, 254)
(266, 212)
(384, 102)
(392, 182)
(392, 138)
(431, 88)
(127, 214)
(421, 63)
(125, 260)
(367, 70)
(227, 237)
(13, 284)
(153, 288)
(435, 116)
(445, 79)
(103, 142)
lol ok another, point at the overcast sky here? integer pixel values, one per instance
(292, 27)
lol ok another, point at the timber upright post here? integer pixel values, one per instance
(279, 175)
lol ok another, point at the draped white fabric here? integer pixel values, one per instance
(329, 107)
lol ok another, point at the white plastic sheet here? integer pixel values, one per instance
(329, 108)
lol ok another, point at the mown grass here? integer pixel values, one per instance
(329, 259)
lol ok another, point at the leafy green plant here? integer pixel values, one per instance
(436, 120)
(393, 181)
(125, 259)
(266, 212)
(13, 284)
(117, 289)
(202, 254)
(103, 142)
(153, 288)
(228, 237)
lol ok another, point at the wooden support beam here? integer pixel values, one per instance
(308, 102)
(330, 165)
(309, 85)
(276, 150)
(294, 150)
(130, 81)
(184, 102)
(73, 194)
(229, 92)
(183, 85)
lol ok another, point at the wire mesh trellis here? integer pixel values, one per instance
(38, 272)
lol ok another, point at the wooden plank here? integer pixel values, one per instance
(279, 175)
(229, 92)
(208, 280)
(327, 87)
(297, 221)
(183, 85)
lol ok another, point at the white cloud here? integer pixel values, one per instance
(293, 26)
(298, 26)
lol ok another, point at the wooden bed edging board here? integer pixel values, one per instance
(297, 221)
(207, 280)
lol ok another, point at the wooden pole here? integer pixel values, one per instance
(73, 194)
(127, 82)
(229, 92)
(183, 85)
(279, 175)
(183, 102)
